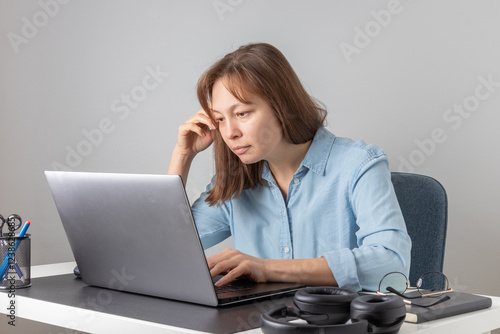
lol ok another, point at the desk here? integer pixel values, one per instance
(156, 315)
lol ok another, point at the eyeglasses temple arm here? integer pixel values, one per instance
(437, 293)
(440, 300)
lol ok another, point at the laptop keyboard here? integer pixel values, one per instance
(235, 286)
(231, 288)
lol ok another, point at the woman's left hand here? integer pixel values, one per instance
(233, 264)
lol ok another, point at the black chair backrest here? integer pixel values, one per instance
(424, 205)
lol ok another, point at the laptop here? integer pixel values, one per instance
(136, 233)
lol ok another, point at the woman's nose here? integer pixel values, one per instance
(232, 130)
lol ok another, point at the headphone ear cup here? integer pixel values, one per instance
(385, 314)
(333, 304)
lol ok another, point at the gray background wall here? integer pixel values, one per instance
(77, 93)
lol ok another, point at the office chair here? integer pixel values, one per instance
(424, 205)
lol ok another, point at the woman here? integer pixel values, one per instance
(301, 204)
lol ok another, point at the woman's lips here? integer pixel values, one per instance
(240, 149)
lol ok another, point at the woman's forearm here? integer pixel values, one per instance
(312, 272)
(180, 165)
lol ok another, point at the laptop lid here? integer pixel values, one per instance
(135, 232)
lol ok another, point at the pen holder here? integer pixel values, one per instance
(17, 264)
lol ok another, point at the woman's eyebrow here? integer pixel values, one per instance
(234, 106)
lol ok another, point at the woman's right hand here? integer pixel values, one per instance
(195, 134)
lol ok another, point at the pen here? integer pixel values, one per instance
(5, 264)
(19, 272)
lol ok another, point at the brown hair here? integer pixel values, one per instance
(262, 70)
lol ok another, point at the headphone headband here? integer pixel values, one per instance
(276, 320)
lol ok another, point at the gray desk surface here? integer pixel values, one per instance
(70, 291)
(57, 298)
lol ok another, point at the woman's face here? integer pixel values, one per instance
(251, 130)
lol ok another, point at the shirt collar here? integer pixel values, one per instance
(319, 151)
(316, 156)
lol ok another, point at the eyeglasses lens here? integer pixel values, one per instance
(397, 281)
(432, 282)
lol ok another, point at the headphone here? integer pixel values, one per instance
(327, 309)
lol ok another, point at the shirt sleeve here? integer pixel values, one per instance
(383, 242)
(212, 222)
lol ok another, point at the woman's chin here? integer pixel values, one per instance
(247, 160)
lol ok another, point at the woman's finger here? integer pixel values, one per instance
(202, 117)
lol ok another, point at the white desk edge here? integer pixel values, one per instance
(97, 322)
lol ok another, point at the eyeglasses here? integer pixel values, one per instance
(430, 284)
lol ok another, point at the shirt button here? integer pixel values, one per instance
(287, 250)
(296, 180)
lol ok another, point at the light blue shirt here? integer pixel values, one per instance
(340, 205)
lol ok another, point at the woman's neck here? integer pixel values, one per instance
(285, 163)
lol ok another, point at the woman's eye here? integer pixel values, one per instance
(241, 114)
(219, 120)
